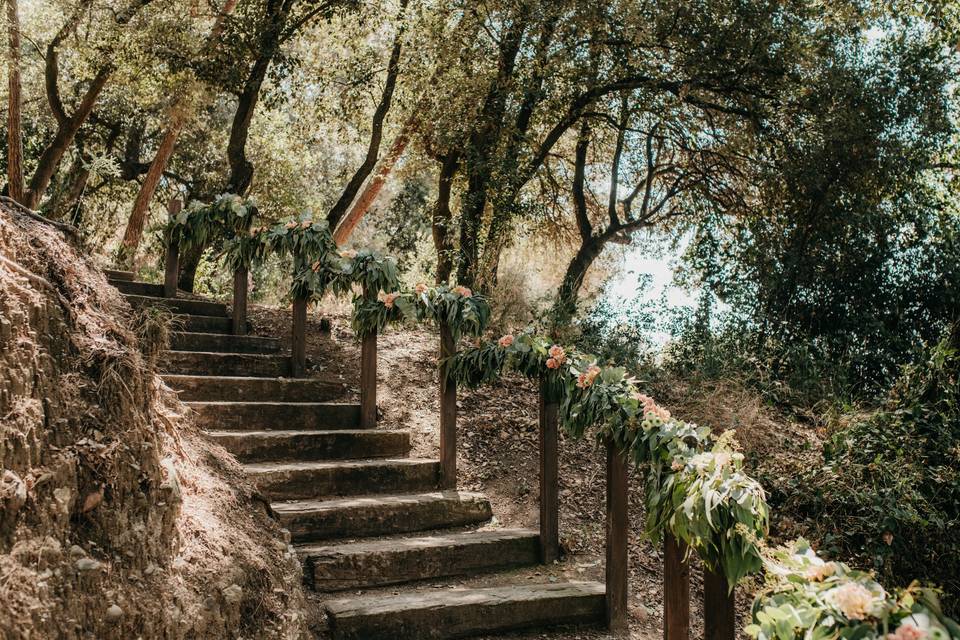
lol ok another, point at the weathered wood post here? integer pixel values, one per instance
(549, 484)
(298, 350)
(171, 271)
(368, 378)
(676, 590)
(240, 284)
(448, 413)
(617, 527)
(719, 608)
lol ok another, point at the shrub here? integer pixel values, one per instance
(889, 491)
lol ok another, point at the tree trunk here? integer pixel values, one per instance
(370, 192)
(15, 102)
(138, 217)
(66, 131)
(189, 261)
(443, 218)
(376, 132)
(241, 169)
(179, 114)
(573, 279)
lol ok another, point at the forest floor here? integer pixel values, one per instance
(498, 456)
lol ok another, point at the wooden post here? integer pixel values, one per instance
(171, 272)
(299, 342)
(368, 381)
(549, 489)
(676, 590)
(719, 608)
(448, 414)
(240, 283)
(617, 528)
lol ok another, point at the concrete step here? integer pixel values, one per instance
(395, 560)
(460, 613)
(211, 363)
(132, 287)
(246, 389)
(263, 416)
(186, 341)
(181, 305)
(259, 446)
(206, 324)
(303, 480)
(114, 274)
(381, 515)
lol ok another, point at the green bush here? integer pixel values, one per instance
(889, 491)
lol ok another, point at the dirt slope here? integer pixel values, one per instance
(117, 518)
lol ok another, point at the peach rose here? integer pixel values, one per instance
(388, 299)
(349, 254)
(552, 363)
(505, 341)
(465, 292)
(420, 288)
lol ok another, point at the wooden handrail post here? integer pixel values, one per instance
(617, 568)
(368, 381)
(676, 590)
(448, 414)
(549, 485)
(298, 350)
(719, 608)
(240, 283)
(171, 272)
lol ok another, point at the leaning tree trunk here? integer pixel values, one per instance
(138, 217)
(573, 279)
(179, 114)
(15, 102)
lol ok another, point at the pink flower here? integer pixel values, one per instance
(291, 225)
(557, 353)
(651, 407)
(819, 572)
(552, 363)
(907, 631)
(676, 465)
(588, 377)
(349, 254)
(505, 341)
(420, 288)
(305, 224)
(388, 299)
(462, 291)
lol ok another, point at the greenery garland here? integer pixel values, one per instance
(200, 223)
(462, 311)
(700, 495)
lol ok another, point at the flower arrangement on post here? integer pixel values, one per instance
(807, 597)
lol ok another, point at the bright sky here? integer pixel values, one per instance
(622, 288)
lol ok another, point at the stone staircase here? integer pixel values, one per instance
(363, 515)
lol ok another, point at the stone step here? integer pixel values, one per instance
(463, 612)
(304, 480)
(395, 560)
(114, 274)
(259, 446)
(186, 341)
(381, 515)
(212, 363)
(132, 287)
(262, 416)
(181, 305)
(246, 389)
(206, 324)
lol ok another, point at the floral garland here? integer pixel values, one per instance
(462, 311)
(807, 597)
(701, 495)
